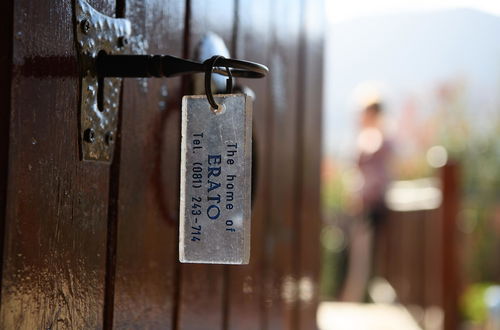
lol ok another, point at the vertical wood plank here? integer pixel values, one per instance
(450, 174)
(309, 128)
(245, 283)
(202, 287)
(6, 38)
(146, 252)
(280, 261)
(433, 259)
(408, 239)
(55, 233)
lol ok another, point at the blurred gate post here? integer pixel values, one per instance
(449, 210)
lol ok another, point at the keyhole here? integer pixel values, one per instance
(100, 87)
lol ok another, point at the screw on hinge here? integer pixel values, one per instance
(109, 138)
(89, 135)
(85, 26)
(122, 42)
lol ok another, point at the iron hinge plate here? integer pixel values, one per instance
(96, 32)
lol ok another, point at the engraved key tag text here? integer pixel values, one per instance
(216, 158)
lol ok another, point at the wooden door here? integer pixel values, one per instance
(92, 245)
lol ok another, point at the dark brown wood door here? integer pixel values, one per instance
(91, 245)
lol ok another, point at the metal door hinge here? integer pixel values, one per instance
(97, 33)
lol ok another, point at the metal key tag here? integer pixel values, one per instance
(216, 158)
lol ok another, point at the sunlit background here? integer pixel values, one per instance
(435, 66)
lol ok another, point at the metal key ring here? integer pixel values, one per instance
(209, 67)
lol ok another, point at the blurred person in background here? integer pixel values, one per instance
(367, 205)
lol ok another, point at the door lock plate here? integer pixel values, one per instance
(100, 98)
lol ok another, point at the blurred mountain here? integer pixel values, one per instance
(412, 54)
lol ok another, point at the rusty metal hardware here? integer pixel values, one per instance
(97, 33)
(171, 66)
(103, 43)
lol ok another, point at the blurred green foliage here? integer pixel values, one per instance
(473, 303)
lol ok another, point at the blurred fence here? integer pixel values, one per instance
(417, 248)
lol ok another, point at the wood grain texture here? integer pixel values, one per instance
(309, 160)
(202, 287)
(6, 37)
(280, 262)
(245, 283)
(67, 222)
(55, 235)
(148, 195)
